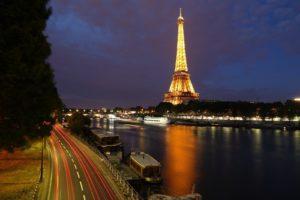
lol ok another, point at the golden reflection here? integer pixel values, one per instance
(180, 161)
(97, 123)
(297, 134)
(226, 134)
(105, 123)
(142, 138)
(111, 125)
(257, 140)
(257, 137)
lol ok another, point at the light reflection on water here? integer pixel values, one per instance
(223, 163)
(142, 138)
(180, 160)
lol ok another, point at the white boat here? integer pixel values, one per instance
(112, 117)
(130, 120)
(156, 120)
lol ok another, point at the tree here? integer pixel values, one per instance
(193, 105)
(137, 109)
(28, 93)
(291, 108)
(179, 108)
(118, 109)
(77, 122)
(164, 107)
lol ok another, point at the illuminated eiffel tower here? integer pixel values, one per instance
(181, 89)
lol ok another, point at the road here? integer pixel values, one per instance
(75, 171)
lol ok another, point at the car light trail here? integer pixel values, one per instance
(56, 169)
(88, 165)
(69, 181)
(86, 171)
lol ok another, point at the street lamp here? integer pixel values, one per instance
(42, 160)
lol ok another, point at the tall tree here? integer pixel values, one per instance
(27, 91)
(164, 107)
(77, 122)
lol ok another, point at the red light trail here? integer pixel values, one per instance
(92, 183)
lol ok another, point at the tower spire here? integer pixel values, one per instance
(181, 63)
(180, 13)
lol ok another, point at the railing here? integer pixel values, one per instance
(127, 190)
(37, 185)
(36, 189)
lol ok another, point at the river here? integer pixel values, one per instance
(219, 163)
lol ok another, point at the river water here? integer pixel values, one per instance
(219, 163)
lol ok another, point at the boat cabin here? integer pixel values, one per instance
(145, 166)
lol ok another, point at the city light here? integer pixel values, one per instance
(297, 99)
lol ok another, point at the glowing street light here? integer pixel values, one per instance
(297, 99)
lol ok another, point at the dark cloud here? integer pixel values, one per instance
(115, 52)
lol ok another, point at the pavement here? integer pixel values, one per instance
(74, 171)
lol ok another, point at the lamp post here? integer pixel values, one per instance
(42, 160)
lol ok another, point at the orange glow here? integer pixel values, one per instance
(180, 169)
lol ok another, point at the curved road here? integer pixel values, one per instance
(76, 172)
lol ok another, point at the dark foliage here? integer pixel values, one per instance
(118, 109)
(240, 108)
(164, 107)
(28, 93)
(77, 123)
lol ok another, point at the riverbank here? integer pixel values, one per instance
(273, 125)
(283, 125)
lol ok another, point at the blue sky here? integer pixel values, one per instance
(122, 53)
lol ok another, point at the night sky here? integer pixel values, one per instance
(122, 52)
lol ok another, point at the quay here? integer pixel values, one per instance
(260, 124)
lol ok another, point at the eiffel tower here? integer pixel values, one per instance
(181, 89)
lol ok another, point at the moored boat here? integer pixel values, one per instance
(109, 144)
(145, 166)
(130, 120)
(156, 120)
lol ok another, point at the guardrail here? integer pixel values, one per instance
(128, 191)
(36, 189)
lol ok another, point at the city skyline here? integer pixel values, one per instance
(237, 50)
